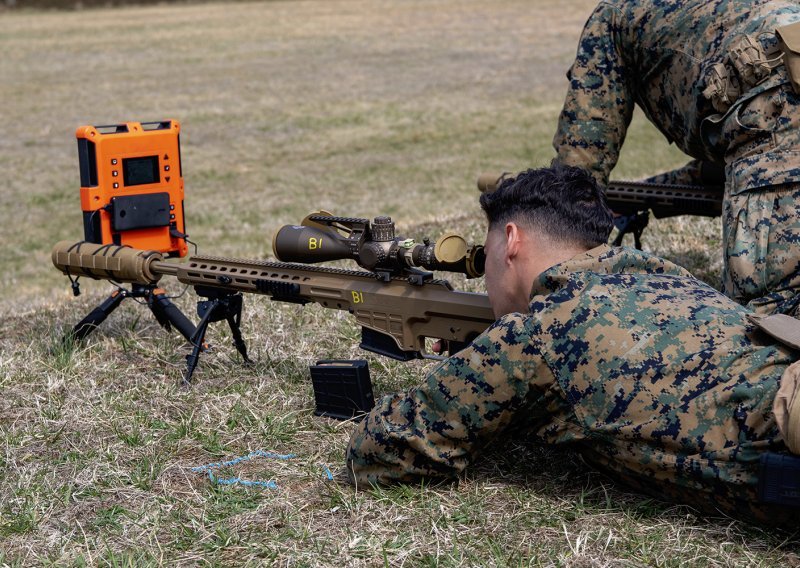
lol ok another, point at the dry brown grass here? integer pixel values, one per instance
(354, 106)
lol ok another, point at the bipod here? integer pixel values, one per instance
(166, 313)
(220, 305)
(634, 224)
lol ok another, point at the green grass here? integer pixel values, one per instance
(362, 108)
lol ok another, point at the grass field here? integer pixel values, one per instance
(362, 108)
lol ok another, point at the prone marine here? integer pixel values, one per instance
(721, 80)
(651, 375)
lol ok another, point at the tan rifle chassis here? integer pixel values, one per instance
(404, 313)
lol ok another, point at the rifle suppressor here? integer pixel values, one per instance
(106, 262)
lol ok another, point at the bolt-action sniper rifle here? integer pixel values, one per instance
(397, 302)
(632, 202)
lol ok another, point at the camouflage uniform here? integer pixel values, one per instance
(651, 374)
(671, 58)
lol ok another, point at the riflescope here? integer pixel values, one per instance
(374, 246)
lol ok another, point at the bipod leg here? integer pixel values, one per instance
(97, 316)
(234, 317)
(210, 308)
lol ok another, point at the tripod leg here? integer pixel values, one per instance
(168, 313)
(97, 316)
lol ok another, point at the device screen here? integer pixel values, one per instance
(139, 171)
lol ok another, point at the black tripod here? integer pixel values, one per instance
(220, 305)
(165, 312)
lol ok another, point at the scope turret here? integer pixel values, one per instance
(374, 246)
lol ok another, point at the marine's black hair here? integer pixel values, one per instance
(564, 203)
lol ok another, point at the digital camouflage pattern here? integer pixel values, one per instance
(651, 374)
(679, 60)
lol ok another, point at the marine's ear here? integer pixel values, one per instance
(513, 237)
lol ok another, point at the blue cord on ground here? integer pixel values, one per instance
(209, 468)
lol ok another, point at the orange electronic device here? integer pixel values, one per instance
(132, 185)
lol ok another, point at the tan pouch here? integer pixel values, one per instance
(785, 329)
(751, 63)
(721, 88)
(789, 44)
(786, 407)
